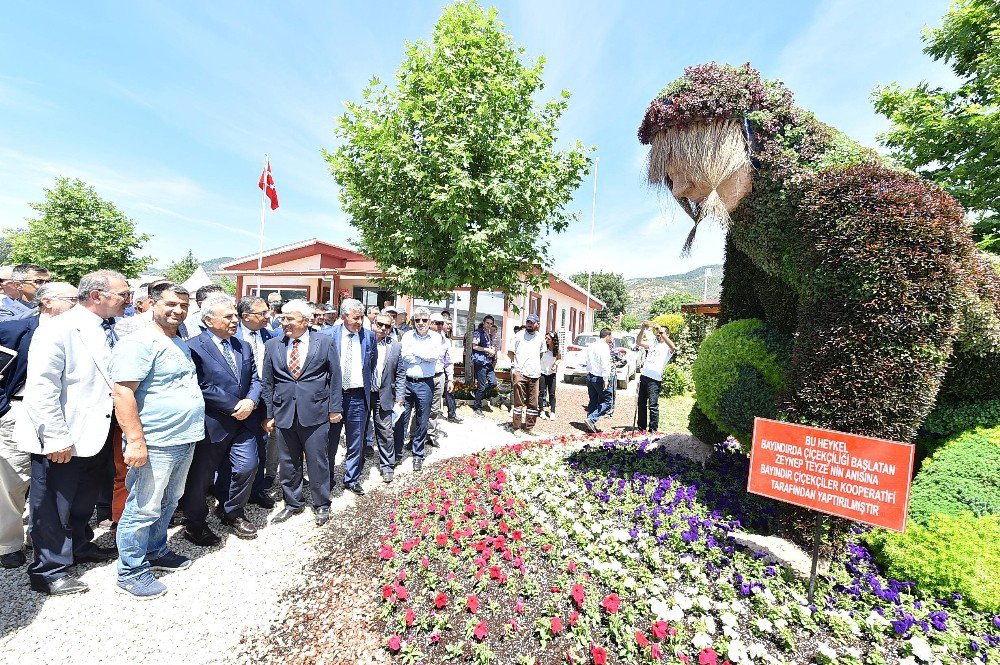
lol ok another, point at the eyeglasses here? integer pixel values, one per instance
(264, 313)
(39, 281)
(421, 320)
(383, 325)
(124, 295)
(66, 298)
(437, 323)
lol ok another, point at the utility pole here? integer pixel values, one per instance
(708, 271)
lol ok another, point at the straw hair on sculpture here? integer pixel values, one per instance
(699, 157)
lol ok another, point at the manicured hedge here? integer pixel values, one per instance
(948, 419)
(963, 476)
(703, 428)
(674, 381)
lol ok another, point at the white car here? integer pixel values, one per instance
(575, 363)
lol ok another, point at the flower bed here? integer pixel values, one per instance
(586, 551)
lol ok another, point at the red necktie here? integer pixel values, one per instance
(293, 360)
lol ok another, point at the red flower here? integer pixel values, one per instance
(481, 630)
(385, 552)
(655, 652)
(578, 594)
(659, 629)
(387, 591)
(395, 642)
(640, 639)
(556, 625)
(572, 566)
(440, 601)
(519, 606)
(599, 655)
(611, 603)
(708, 657)
(401, 593)
(441, 539)
(472, 603)
(573, 618)
(410, 617)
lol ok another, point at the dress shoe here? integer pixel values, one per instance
(203, 537)
(241, 527)
(262, 500)
(285, 514)
(357, 489)
(96, 555)
(369, 452)
(455, 419)
(417, 464)
(322, 515)
(387, 477)
(13, 559)
(63, 586)
(177, 519)
(433, 443)
(398, 462)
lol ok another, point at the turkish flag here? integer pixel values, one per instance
(267, 184)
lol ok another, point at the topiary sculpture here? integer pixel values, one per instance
(867, 269)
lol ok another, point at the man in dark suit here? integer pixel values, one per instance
(255, 331)
(355, 347)
(388, 390)
(229, 383)
(303, 394)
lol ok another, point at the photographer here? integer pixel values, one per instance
(660, 350)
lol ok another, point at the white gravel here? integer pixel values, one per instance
(228, 590)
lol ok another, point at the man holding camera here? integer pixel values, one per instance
(660, 350)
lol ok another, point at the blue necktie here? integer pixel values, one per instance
(109, 332)
(227, 353)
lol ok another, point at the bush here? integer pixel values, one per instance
(674, 381)
(696, 328)
(949, 419)
(703, 428)
(962, 476)
(739, 372)
(949, 554)
(673, 322)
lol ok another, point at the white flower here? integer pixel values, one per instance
(710, 625)
(781, 624)
(704, 602)
(921, 649)
(683, 601)
(738, 607)
(756, 650)
(675, 614)
(853, 652)
(764, 625)
(629, 583)
(701, 641)
(659, 609)
(728, 619)
(829, 653)
(730, 631)
(737, 652)
(621, 535)
(907, 661)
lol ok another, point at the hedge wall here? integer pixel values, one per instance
(963, 476)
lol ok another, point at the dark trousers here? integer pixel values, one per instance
(547, 392)
(649, 392)
(384, 438)
(600, 397)
(260, 481)
(314, 443)
(235, 459)
(62, 499)
(486, 378)
(354, 424)
(449, 402)
(419, 393)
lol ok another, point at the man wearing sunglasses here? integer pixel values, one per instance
(420, 352)
(388, 392)
(27, 278)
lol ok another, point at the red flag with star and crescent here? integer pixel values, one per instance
(267, 184)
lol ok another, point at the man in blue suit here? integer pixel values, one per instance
(255, 330)
(388, 392)
(303, 394)
(227, 376)
(356, 349)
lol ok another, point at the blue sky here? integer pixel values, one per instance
(167, 108)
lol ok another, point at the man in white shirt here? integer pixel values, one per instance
(661, 350)
(420, 352)
(526, 368)
(598, 378)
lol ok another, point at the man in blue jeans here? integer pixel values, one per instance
(485, 346)
(598, 378)
(153, 367)
(420, 349)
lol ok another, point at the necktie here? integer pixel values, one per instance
(227, 353)
(349, 355)
(109, 332)
(294, 366)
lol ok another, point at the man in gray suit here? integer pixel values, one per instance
(388, 390)
(304, 396)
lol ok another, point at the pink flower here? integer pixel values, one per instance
(385, 552)
(435, 637)
(573, 618)
(387, 591)
(519, 606)
(708, 657)
(441, 539)
(410, 617)
(611, 603)
(401, 592)
(659, 629)
(481, 630)
(395, 643)
(472, 603)
(599, 655)
(440, 601)
(640, 639)
(655, 652)
(578, 594)
(555, 624)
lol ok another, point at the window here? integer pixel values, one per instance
(550, 317)
(562, 324)
(535, 304)
(572, 322)
(579, 325)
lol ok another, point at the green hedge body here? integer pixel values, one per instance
(948, 419)
(674, 381)
(739, 373)
(703, 428)
(949, 554)
(963, 476)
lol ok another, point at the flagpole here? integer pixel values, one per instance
(593, 218)
(263, 207)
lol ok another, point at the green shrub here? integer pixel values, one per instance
(703, 428)
(948, 554)
(948, 419)
(674, 381)
(963, 476)
(739, 373)
(673, 322)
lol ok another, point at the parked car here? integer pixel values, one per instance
(574, 365)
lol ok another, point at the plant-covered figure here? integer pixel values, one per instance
(869, 295)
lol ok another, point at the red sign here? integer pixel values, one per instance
(850, 476)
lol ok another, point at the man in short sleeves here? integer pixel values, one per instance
(526, 368)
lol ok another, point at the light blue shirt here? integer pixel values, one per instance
(420, 354)
(171, 407)
(354, 360)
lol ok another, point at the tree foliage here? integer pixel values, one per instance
(453, 177)
(76, 232)
(953, 136)
(179, 271)
(670, 303)
(610, 288)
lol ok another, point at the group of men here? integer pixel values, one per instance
(162, 409)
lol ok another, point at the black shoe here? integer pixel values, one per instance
(262, 500)
(478, 411)
(96, 555)
(17, 559)
(322, 515)
(408, 445)
(432, 443)
(455, 419)
(285, 514)
(387, 477)
(418, 464)
(203, 537)
(369, 452)
(177, 519)
(357, 489)
(241, 528)
(63, 586)
(398, 462)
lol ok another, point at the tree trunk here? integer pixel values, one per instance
(470, 327)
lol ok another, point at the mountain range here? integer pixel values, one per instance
(644, 290)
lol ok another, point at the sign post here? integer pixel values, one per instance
(835, 473)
